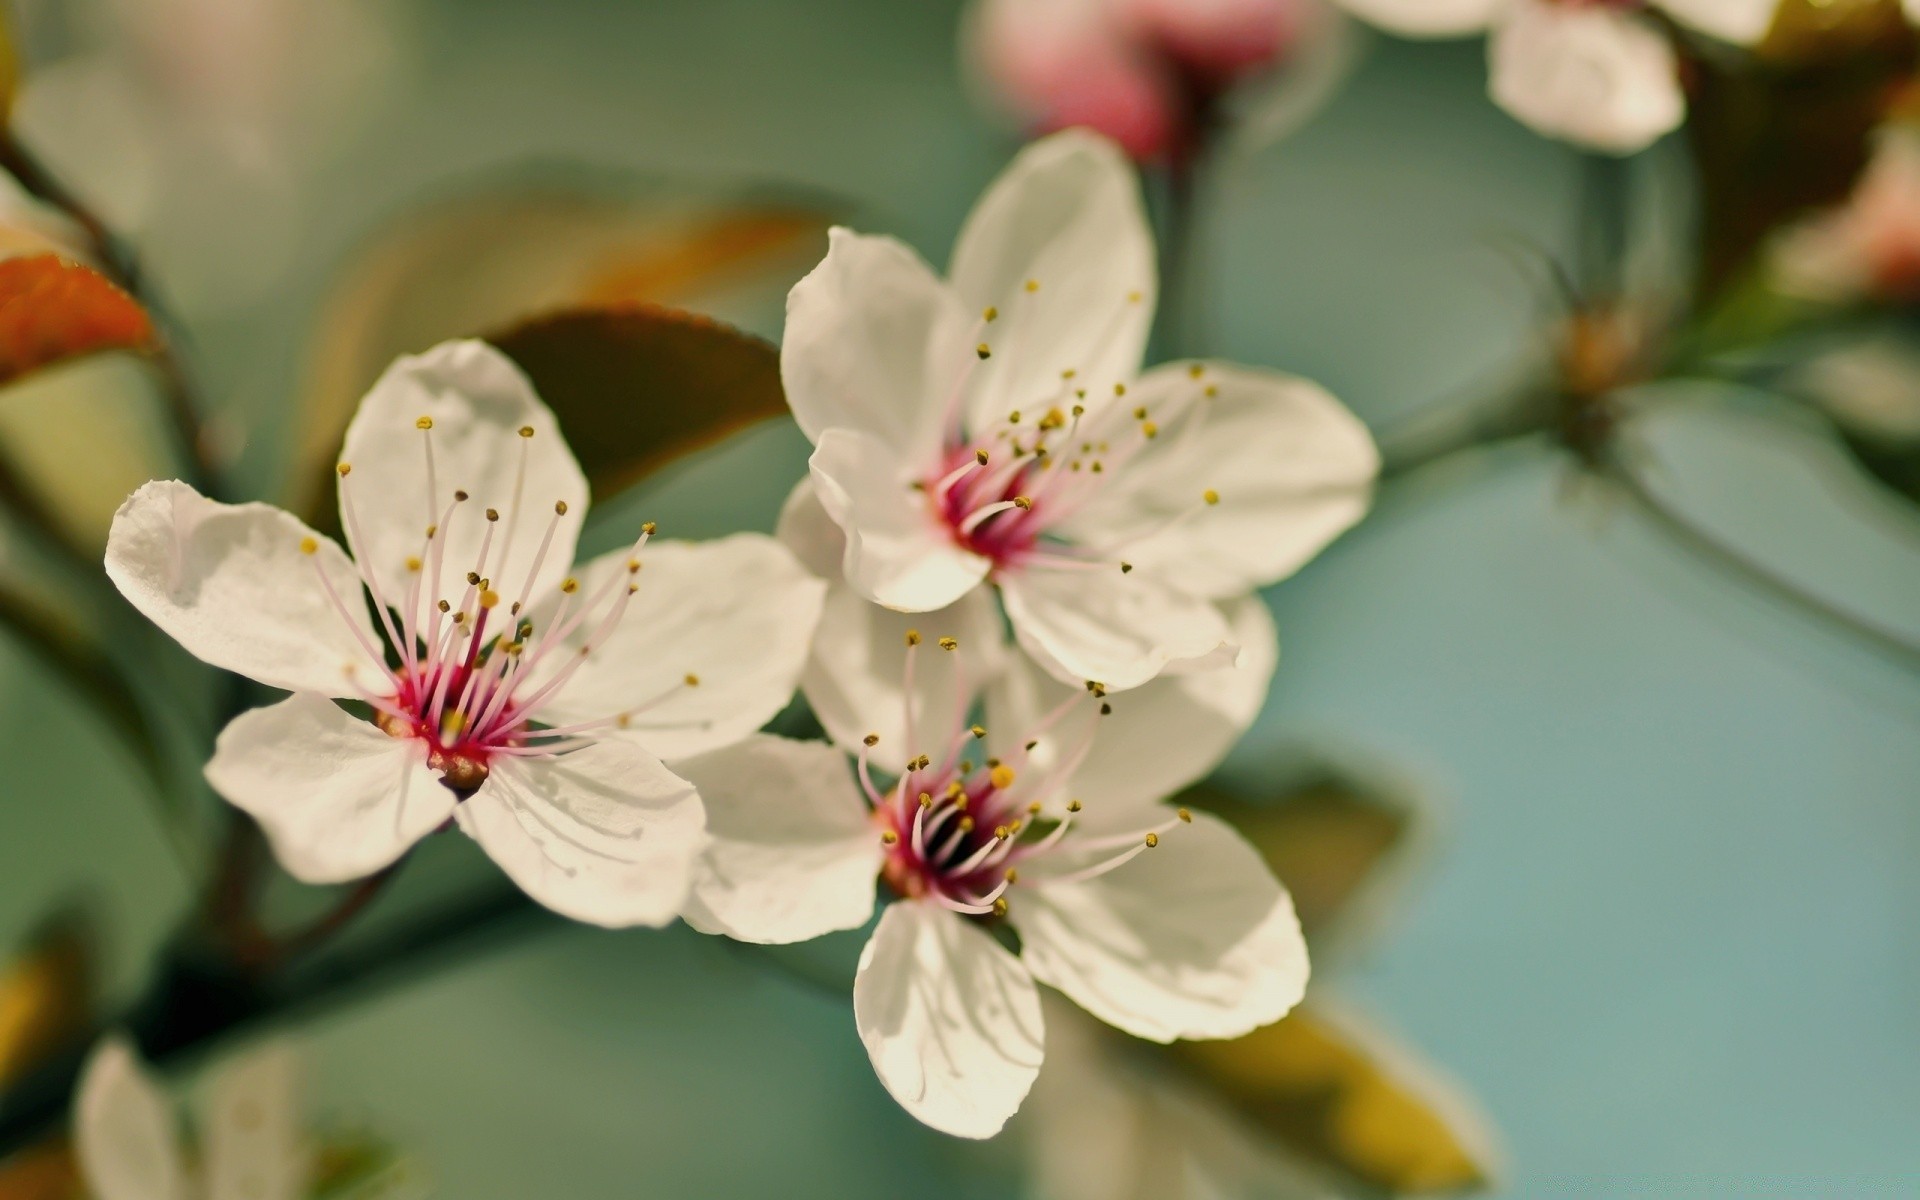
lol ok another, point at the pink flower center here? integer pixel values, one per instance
(960, 831)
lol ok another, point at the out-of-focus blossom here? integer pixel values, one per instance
(994, 429)
(1153, 75)
(530, 705)
(1868, 248)
(197, 121)
(1162, 922)
(1600, 74)
(252, 1140)
(1870, 385)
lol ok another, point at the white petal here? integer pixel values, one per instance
(1192, 939)
(949, 1018)
(793, 854)
(1427, 18)
(1161, 736)
(1598, 78)
(1292, 469)
(735, 614)
(875, 342)
(1118, 629)
(478, 402)
(255, 1140)
(124, 1129)
(1065, 215)
(898, 552)
(805, 528)
(231, 584)
(1912, 9)
(605, 835)
(1742, 22)
(338, 798)
(856, 678)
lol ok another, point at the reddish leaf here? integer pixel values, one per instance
(52, 310)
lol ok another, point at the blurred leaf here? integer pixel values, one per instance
(1325, 838)
(508, 250)
(636, 386)
(52, 310)
(1785, 130)
(47, 1172)
(45, 996)
(1318, 1088)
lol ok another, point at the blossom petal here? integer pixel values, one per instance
(338, 798)
(734, 616)
(1192, 939)
(1119, 629)
(1288, 467)
(898, 554)
(805, 528)
(231, 583)
(793, 854)
(1599, 78)
(479, 403)
(1427, 18)
(124, 1129)
(255, 1139)
(1161, 736)
(1060, 246)
(877, 343)
(1741, 22)
(949, 1018)
(605, 835)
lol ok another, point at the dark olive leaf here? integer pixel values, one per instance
(1344, 1102)
(636, 386)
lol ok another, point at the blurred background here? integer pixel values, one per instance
(1650, 926)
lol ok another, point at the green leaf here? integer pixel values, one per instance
(636, 386)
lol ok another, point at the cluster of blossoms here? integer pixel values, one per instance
(988, 455)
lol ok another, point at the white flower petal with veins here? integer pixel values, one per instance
(949, 1018)
(127, 1139)
(1602, 79)
(1116, 629)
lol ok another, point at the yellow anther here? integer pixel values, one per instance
(489, 599)
(526, 431)
(913, 637)
(1013, 418)
(1032, 285)
(432, 529)
(1135, 297)
(623, 720)
(1096, 468)
(947, 643)
(493, 514)
(1210, 496)
(345, 469)
(1033, 743)
(1211, 392)
(872, 739)
(424, 423)
(1053, 420)
(965, 824)
(649, 528)
(633, 566)
(926, 799)
(1196, 371)
(1022, 503)
(473, 579)
(1153, 839)
(309, 546)
(1125, 567)
(1073, 806)
(443, 606)
(954, 788)
(1069, 373)
(692, 680)
(980, 456)
(413, 564)
(1033, 810)
(1149, 429)
(1079, 410)
(560, 508)
(1106, 710)
(460, 618)
(889, 838)
(1001, 833)
(978, 731)
(1186, 816)
(1140, 414)
(990, 313)
(1096, 687)
(570, 585)
(983, 350)
(1013, 876)
(1000, 906)
(1002, 777)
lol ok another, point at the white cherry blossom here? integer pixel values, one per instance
(529, 702)
(994, 429)
(253, 1144)
(1867, 248)
(1162, 922)
(1597, 73)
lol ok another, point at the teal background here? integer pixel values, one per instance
(1663, 926)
